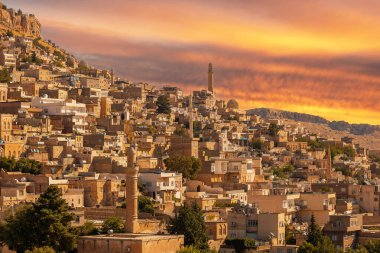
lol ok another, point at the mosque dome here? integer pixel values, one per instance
(232, 104)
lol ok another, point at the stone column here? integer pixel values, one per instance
(131, 199)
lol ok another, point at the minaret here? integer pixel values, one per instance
(210, 78)
(191, 123)
(112, 75)
(329, 164)
(131, 198)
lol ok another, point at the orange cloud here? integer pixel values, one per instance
(316, 57)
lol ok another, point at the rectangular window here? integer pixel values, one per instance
(252, 223)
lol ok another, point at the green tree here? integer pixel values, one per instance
(34, 57)
(46, 223)
(9, 33)
(290, 237)
(60, 56)
(257, 145)
(241, 245)
(190, 249)
(163, 105)
(324, 246)
(113, 223)
(41, 250)
(314, 233)
(189, 222)
(273, 129)
(284, 171)
(5, 76)
(316, 242)
(88, 228)
(359, 249)
(372, 246)
(22, 165)
(306, 248)
(188, 166)
(146, 205)
(180, 131)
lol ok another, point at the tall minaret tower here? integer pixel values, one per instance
(112, 75)
(210, 78)
(191, 123)
(132, 192)
(329, 163)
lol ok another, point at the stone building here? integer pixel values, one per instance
(133, 240)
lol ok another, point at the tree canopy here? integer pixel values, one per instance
(241, 245)
(146, 205)
(5, 76)
(115, 224)
(189, 222)
(188, 166)
(49, 219)
(22, 165)
(273, 129)
(163, 105)
(316, 242)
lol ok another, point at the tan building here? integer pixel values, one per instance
(11, 149)
(321, 205)
(8, 60)
(343, 229)
(183, 146)
(275, 203)
(367, 196)
(6, 127)
(105, 106)
(3, 92)
(40, 74)
(251, 223)
(132, 241)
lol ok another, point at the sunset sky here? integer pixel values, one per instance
(317, 57)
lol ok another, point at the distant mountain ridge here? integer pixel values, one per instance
(357, 129)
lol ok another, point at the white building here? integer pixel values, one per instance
(8, 60)
(161, 185)
(54, 106)
(61, 107)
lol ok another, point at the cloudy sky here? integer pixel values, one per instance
(319, 57)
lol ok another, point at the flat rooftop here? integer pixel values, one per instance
(132, 237)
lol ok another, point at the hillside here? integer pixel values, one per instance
(355, 129)
(19, 23)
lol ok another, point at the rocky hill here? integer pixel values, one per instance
(268, 113)
(356, 129)
(25, 24)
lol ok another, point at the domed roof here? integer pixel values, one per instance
(232, 104)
